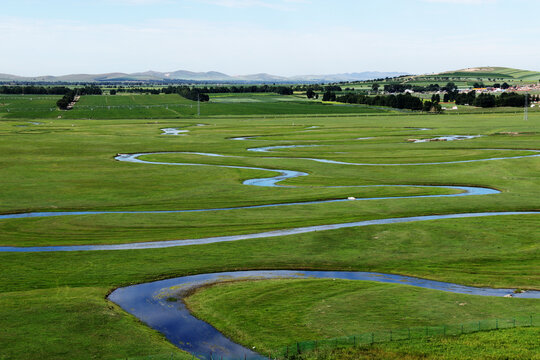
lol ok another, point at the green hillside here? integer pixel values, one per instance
(493, 73)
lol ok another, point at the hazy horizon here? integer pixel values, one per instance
(279, 37)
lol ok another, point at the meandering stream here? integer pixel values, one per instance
(149, 302)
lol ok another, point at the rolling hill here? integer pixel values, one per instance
(494, 73)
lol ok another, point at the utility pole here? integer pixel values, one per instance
(526, 110)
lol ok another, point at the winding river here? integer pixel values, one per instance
(150, 301)
(272, 182)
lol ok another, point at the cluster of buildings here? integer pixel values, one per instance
(515, 88)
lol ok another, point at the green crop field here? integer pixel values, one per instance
(464, 78)
(53, 304)
(127, 106)
(495, 73)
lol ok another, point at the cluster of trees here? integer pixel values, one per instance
(480, 84)
(193, 94)
(503, 86)
(400, 88)
(90, 90)
(433, 105)
(67, 99)
(400, 101)
(460, 98)
(505, 99)
(329, 96)
(311, 94)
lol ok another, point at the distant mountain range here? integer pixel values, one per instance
(210, 76)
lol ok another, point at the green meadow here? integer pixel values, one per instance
(53, 305)
(465, 78)
(521, 343)
(171, 106)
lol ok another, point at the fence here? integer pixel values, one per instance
(404, 334)
(292, 351)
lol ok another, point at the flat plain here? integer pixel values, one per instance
(53, 304)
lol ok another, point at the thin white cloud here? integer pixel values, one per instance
(142, 2)
(285, 5)
(463, 2)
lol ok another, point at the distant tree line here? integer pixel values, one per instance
(488, 100)
(400, 101)
(504, 85)
(400, 88)
(137, 90)
(53, 90)
(191, 92)
(34, 90)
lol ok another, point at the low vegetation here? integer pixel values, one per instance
(52, 305)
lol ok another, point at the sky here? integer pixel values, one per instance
(280, 37)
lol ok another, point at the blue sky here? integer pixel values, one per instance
(282, 37)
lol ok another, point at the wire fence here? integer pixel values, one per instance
(296, 350)
(293, 350)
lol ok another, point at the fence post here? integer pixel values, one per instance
(462, 328)
(297, 348)
(354, 340)
(514, 322)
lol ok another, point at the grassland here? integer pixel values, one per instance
(521, 343)
(498, 73)
(464, 78)
(271, 314)
(171, 106)
(57, 302)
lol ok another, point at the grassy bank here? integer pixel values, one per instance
(56, 301)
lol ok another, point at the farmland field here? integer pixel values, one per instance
(166, 106)
(54, 306)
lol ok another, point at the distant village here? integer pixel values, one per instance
(517, 88)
